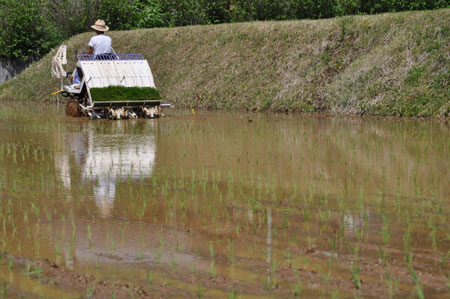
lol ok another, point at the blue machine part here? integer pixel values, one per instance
(76, 78)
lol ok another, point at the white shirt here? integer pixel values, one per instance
(101, 44)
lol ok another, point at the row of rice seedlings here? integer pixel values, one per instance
(254, 192)
(385, 231)
(322, 217)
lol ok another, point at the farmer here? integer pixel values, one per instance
(101, 43)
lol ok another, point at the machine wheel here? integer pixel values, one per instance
(72, 109)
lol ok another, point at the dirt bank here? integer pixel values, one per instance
(389, 64)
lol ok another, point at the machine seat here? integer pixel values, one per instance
(72, 88)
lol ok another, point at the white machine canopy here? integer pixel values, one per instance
(128, 70)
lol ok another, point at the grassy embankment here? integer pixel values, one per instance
(389, 64)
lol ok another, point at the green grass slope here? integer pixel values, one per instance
(389, 64)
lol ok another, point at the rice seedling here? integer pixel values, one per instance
(358, 233)
(90, 291)
(306, 214)
(297, 289)
(231, 254)
(386, 230)
(4, 286)
(444, 260)
(325, 277)
(407, 237)
(10, 262)
(287, 254)
(416, 280)
(268, 284)
(212, 270)
(432, 234)
(355, 270)
(37, 271)
(324, 216)
(173, 262)
(274, 266)
(200, 290)
(334, 294)
(149, 277)
(158, 256)
(384, 256)
(211, 250)
(27, 269)
(355, 249)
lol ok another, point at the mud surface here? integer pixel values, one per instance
(222, 205)
(72, 109)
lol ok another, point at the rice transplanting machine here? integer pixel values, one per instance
(111, 86)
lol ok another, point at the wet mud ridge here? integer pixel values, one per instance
(48, 272)
(370, 282)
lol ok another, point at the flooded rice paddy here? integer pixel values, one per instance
(223, 205)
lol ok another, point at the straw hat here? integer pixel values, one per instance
(100, 25)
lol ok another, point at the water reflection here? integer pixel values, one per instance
(99, 160)
(222, 196)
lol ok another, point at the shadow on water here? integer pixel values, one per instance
(220, 205)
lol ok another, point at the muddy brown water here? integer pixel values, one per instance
(223, 205)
